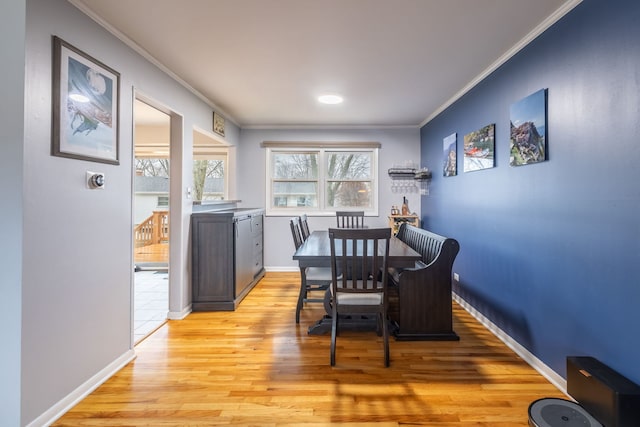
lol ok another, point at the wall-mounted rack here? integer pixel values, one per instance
(410, 179)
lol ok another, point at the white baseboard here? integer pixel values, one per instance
(179, 315)
(557, 380)
(282, 269)
(60, 408)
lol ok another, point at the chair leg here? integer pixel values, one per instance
(334, 333)
(327, 301)
(301, 295)
(385, 339)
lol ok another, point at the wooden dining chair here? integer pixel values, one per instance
(359, 278)
(350, 219)
(312, 279)
(304, 227)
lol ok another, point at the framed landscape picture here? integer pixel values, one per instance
(479, 149)
(528, 142)
(449, 155)
(85, 106)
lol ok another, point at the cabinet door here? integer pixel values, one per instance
(243, 255)
(212, 263)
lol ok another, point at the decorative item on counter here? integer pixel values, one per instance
(405, 206)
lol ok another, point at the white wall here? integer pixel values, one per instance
(12, 30)
(145, 205)
(76, 261)
(398, 145)
(77, 278)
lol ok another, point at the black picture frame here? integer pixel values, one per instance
(85, 110)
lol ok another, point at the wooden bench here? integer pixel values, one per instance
(420, 305)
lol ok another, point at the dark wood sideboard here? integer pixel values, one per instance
(226, 257)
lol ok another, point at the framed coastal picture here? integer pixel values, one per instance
(528, 142)
(479, 148)
(449, 155)
(85, 108)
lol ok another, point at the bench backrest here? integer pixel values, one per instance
(428, 244)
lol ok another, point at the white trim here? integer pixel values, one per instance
(137, 48)
(179, 315)
(541, 28)
(212, 135)
(282, 269)
(314, 145)
(328, 127)
(73, 398)
(557, 380)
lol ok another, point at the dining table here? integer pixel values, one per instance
(316, 252)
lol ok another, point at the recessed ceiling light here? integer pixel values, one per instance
(330, 99)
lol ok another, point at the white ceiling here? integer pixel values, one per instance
(264, 62)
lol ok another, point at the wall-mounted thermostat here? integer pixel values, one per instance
(95, 180)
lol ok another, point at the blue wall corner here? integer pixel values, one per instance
(549, 251)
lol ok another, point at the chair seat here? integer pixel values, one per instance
(315, 274)
(360, 299)
(394, 272)
(356, 298)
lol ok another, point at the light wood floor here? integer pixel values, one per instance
(158, 252)
(256, 367)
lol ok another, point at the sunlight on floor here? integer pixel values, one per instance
(151, 302)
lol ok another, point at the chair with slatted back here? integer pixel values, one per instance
(350, 219)
(304, 227)
(359, 278)
(312, 279)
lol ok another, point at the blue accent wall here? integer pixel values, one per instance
(550, 252)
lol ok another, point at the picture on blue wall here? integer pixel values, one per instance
(449, 155)
(479, 148)
(529, 129)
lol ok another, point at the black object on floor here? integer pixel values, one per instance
(610, 397)
(552, 412)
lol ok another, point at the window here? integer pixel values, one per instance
(321, 179)
(163, 201)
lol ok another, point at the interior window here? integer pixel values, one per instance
(210, 168)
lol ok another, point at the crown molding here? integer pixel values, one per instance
(541, 28)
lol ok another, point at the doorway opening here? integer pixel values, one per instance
(152, 135)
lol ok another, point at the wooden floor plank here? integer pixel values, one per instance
(256, 366)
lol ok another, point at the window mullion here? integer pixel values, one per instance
(322, 167)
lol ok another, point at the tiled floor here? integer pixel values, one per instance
(151, 302)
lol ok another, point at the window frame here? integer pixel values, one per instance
(322, 151)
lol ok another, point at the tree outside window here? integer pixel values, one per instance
(349, 180)
(208, 179)
(321, 180)
(152, 167)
